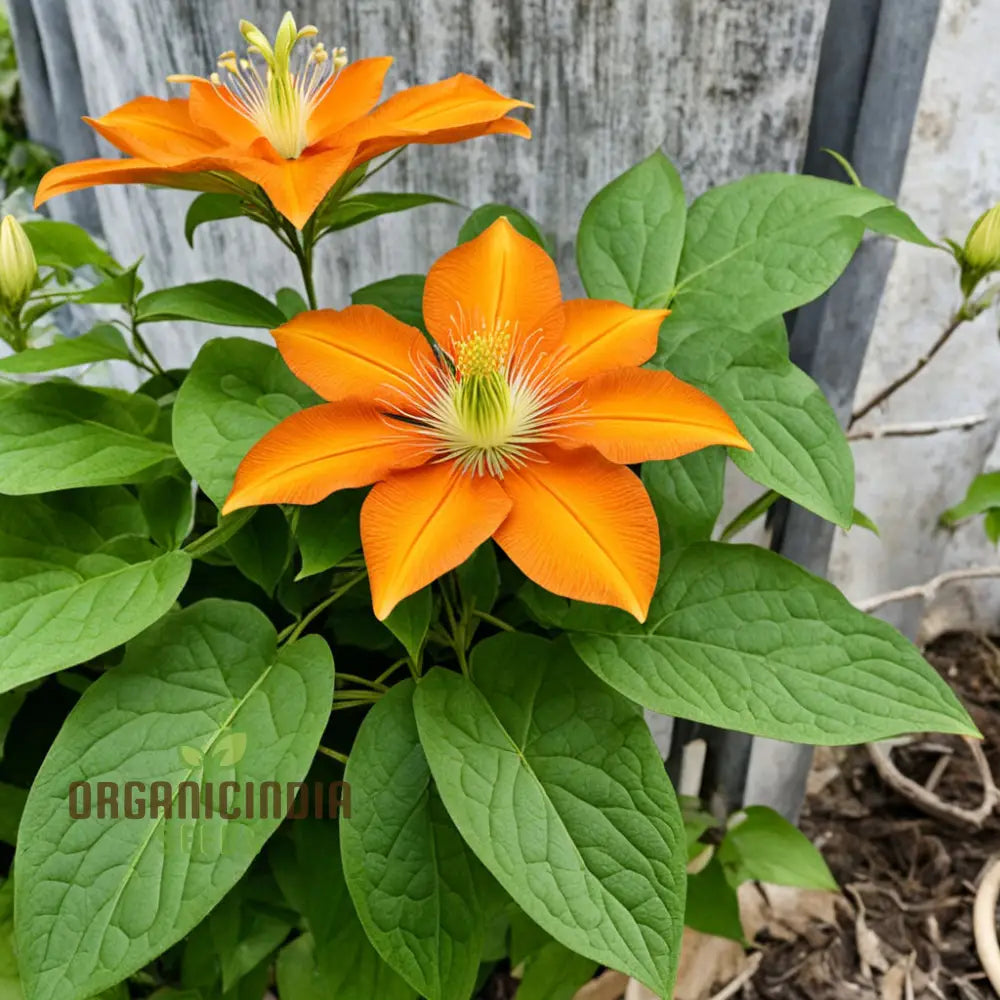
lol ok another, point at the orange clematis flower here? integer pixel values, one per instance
(518, 423)
(292, 118)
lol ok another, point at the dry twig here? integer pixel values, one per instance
(984, 922)
(929, 801)
(919, 428)
(929, 589)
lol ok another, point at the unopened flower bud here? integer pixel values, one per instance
(18, 267)
(982, 245)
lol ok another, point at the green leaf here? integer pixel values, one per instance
(224, 530)
(236, 391)
(353, 211)
(991, 524)
(335, 958)
(66, 595)
(892, 221)
(631, 234)
(225, 303)
(116, 290)
(555, 783)
(57, 436)
(412, 878)
(766, 244)
(12, 801)
(10, 978)
(983, 494)
(98, 898)
(211, 206)
(479, 578)
(102, 343)
(712, 904)
(687, 495)
(800, 450)
(555, 973)
(62, 244)
(752, 512)
(402, 297)
(168, 506)
(328, 532)
(410, 620)
(483, 217)
(290, 302)
(762, 846)
(262, 548)
(860, 519)
(740, 638)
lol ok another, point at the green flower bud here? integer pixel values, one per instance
(18, 267)
(982, 245)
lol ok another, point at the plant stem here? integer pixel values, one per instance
(294, 631)
(374, 685)
(498, 622)
(332, 753)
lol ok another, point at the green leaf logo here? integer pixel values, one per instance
(230, 748)
(192, 756)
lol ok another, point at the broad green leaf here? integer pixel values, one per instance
(211, 206)
(800, 450)
(69, 590)
(58, 436)
(62, 244)
(12, 801)
(262, 548)
(98, 898)
(483, 217)
(290, 302)
(555, 973)
(10, 978)
(892, 221)
(753, 511)
(687, 495)
(236, 391)
(168, 506)
(412, 878)
(225, 303)
(860, 519)
(479, 578)
(712, 905)
(555, 783)
(762, 846)
(348, 212)
(334, 958)
(328, 532)
(526, 937)
(740, 638)
(119, 289)
(983, 493)
(102, 343)
(402, 297)
(631, 234)
(766, 244)
(410, 620)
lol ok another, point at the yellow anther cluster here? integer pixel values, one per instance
(483, 353)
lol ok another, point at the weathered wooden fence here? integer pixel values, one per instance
(725, 87)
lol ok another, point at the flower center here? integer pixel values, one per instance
(491, 410)
(277, 87)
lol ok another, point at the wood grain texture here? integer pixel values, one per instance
(725, 87)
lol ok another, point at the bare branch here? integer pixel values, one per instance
(929, 589)
(918, 429)
(984, 922)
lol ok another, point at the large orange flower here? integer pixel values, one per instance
(517, 424)
(292, 123)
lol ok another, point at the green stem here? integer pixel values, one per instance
(498, 622)
(139, 343)
(292, 633)
(386, 674)
(374, 685)
(332, 753)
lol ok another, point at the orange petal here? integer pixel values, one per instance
(457, 102)
(498, 277)
(353, 93)
(212, 108)
(91, 173)
(316, 451)
(583, 528)
(296, 187)
(601, 335)
(636, 415)
(371, 148)
(155, 130)
(419, 524)
(358, 351)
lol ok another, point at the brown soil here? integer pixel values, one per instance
(909, 879)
